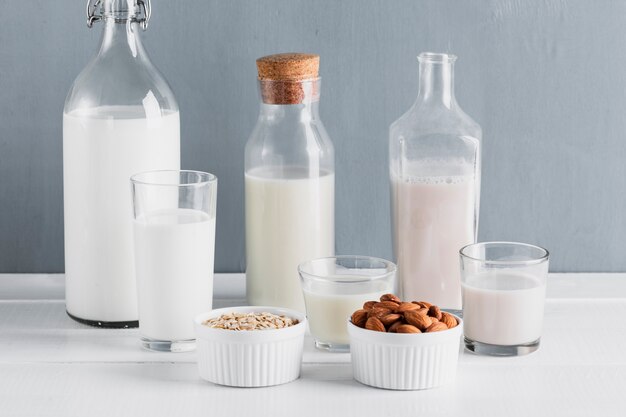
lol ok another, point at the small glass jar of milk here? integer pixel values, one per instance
(289, 182)
(504, 290)
(336, 287)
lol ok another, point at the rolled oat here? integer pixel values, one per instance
(250, 321)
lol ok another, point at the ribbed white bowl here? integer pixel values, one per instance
(256, 358)
(402, 361)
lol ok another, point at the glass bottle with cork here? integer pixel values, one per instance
(434, 167)
(289, 181)
(120, 118)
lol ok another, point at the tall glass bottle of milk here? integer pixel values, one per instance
(434, 158)
(120, 118)
(289, 182)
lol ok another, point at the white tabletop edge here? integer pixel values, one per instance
(231, 286)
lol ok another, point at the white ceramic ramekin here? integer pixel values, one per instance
(255, 358)
(404, 361)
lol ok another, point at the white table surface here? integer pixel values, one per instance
(53, 366)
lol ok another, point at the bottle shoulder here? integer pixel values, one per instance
(289, 135)
(422, 120)
(289, 142)
(119, 81)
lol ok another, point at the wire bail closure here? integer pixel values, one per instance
(93, 7)
(145, 10)
(142, 16)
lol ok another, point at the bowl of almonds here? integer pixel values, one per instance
(404, 345)
(250, 346)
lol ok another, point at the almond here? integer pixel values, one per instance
(378, 312)
(390, 297)
(359, 318)
(369, 304)
(387, 304)
(449, 320)
(389, 319)
(392, 315)
(406, 307)
(436, 327)
(394, 327)
(422, 311)
(434, 311)
(374, 324)
(407, 328)
(418, 320)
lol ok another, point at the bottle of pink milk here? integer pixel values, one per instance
(434, 167)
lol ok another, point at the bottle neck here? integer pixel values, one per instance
(436, 85)
(304, 112)
(121, 36)
(298, 100)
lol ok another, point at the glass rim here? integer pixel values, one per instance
(437, 57)
(209, 178)
(532, 261)
(390, 269)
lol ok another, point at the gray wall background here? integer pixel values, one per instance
(546, 79)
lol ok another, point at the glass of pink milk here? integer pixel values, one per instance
(503, 286)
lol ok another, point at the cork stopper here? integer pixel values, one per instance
(288, 78)
(288, 67)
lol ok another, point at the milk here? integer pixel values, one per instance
(434, 217)
(174, 253)
(100, 153)
(289, 219)
(503, 307)
(328, 313)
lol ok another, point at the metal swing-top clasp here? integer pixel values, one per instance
(140, 14)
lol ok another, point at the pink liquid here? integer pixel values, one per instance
(434, 217)
(503, 307)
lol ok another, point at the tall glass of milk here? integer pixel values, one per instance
(434, 167)
(174, 228)
(504, 290)
(120, 118)
(289, 182)
(336, 287)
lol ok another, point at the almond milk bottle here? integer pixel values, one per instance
(434, 155)
(120, 118)
(289, 182)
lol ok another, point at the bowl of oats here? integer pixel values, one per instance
(250, 346)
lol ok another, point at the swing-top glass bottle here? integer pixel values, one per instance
(120, 118)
